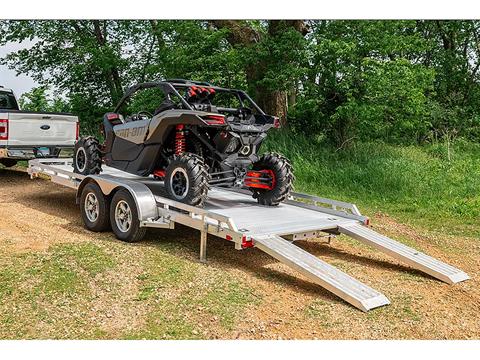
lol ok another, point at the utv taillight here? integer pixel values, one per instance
(214, 119)
(112, 116)
(3, 129)
(77, 131)
(276, 122)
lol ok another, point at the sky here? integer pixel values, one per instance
(8, 78)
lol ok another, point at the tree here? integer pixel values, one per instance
(39, 99)
(83, 60)
(398, 81)
(271, 64)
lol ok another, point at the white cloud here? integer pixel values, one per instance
(8, 78)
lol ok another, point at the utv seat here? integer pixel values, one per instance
(167, 104)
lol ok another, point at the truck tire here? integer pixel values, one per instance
(87, 158)
(186, 179)
(283, 179)
(94, 207)
(8, 162)
(124, 217)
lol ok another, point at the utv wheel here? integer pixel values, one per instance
(186, 179)
(87, 159)
(281, 170)
(8, 162)
(94, 207)
(124, 217)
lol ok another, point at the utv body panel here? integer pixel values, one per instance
(132, 145)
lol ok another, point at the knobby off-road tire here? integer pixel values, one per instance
(95, 208)
(186, 179)
(87, 158)
(283, 179)
(124, 217)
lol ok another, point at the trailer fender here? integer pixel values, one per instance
(143, 196)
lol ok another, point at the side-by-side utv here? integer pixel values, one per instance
(199, 136)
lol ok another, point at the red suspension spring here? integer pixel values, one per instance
(180, 144)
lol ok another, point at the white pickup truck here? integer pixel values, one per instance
(25, 135)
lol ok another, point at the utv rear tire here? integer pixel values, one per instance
(87, 158)
(95, 208)
(124, 217)
(8, 162)
(283, 181)
(186, 179)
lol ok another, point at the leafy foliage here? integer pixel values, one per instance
(399, 81)
(38, 99)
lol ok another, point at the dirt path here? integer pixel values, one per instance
(36, 215)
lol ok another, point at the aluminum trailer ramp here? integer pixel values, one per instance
(344, 286)
(408, 255)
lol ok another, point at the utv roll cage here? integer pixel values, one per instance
(170, 88)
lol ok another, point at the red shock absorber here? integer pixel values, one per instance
(180, 144)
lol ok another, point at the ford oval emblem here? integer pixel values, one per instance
(45, 127)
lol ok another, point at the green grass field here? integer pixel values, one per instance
(416, 184)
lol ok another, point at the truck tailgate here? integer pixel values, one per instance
(39, 129)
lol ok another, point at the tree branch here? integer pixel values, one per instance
(239, 33)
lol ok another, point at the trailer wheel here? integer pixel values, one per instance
(124, 217)
(94, 207)
(282, 173)
(87, 158)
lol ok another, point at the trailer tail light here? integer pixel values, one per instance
(214, 119)
(77, 131)
(247, 242)
(276, 122)
(3, 129)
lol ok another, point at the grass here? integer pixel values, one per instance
(40, 287)
(416, 184)
(187, 300)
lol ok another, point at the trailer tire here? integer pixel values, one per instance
(283, 176)
(8, 162)
(124, 217)
(94, 207)
(87, 158)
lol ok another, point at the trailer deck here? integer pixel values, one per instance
(237, 217)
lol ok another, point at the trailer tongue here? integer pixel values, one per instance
(237, 217)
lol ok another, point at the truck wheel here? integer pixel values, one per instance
(87, 158)
(94, 207)
(124, 217)
(186, 179)
(8, 162)
(282, 174)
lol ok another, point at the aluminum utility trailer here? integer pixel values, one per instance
(237, 217)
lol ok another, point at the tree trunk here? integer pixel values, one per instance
(157, 33)
(112, 75)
